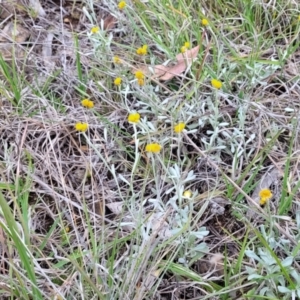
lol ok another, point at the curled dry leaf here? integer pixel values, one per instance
(11, 37)
(115, 207)
(164, 73)
(109, 22)
(14, 33)
(10, 7)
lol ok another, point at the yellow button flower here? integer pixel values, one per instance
(153, 148)
(179, 127)
(116, 59)
(141, 82)
(186, 46)
(139, 75)
(95, 29)
(122, 5)
(118, 81)
(142, 50)
(265, 195)
(204, 22)
(187, 194)
(87, 103)
(216, 83)
(134, 117)
(81, 126)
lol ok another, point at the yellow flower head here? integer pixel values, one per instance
(265, 195)
(186, 46)
(179, 127)
(81, 126)
(134, 117)
(139, 75)
(95, 29)
(141, 82)
(217, 84)
(117, 60)
(204, 22)
(142, 50)
(118, 81)
(122, 5)
(87, 103)
(187, 194)
(154, 148)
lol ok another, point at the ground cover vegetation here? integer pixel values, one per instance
(149, 149)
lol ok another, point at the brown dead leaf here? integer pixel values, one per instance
(115, 207)
(10, 7)
(109, 22)
(11, 37)
(183, 61)
(165, 73)
(14, 32)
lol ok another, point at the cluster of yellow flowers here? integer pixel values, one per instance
(140, 77)
(135, 117)
(265, 195)
(185, 47)
(142, 50)
(87, 103)
(153, 148)
(82, 126)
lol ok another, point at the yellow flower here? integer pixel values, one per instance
(95, 29)
(179, 127)
(265, 195)
(139, 75)
(134, 117)
(116, 59)
(216, 83)
(122, 5)
(187, 44)
(185, 47)
(141, 82)
(81, 126)
(142, 50)
(187, 194)
(299, 18)
(204, 22)
(118, 81)
(154, 148)
(87, 103)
